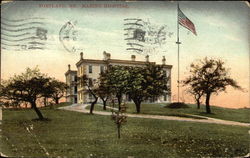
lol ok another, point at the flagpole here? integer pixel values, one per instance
(0, 66)
(178, 52)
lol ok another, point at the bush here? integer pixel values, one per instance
(177, 105)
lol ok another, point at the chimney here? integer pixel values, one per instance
(81, 56)
(133, 57)
(69, 67)
(147, 58)
(163, 60)
(106, 56)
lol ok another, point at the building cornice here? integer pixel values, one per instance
(168, 66)
(92, 61)
(116, 61)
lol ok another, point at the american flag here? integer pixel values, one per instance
(185, 22)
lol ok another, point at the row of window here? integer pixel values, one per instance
(91, 69)
(81, 96)
(90, 82)
(72, 90)
(102, 70)
(90, 97)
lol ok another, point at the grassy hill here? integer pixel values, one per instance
(74, 134)
(240, 115)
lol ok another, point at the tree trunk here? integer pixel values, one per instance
(38, 112)
(57, 100)
(92, 105)
(137, 105)
(104, 103)
(119, 130)
(45, 101)
(207, 103)
(198, 103)
(119, 98)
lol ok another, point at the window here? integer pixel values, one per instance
(75, 100)
(90, 82)
(101, 68)
(164, 72)
(75, 89)
(90, 69)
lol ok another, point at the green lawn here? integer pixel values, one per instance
(74, 134)
(58, 105)
(240, 115)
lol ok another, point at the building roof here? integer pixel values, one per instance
(117, 61)
(70, 72)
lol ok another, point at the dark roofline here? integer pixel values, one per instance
(111, 61)
(168, 66)
(91, 61)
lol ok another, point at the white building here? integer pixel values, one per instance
(71, 81)
(92, 68)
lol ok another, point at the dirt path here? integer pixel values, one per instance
(82, 108)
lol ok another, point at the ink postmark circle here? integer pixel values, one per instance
(68, 36)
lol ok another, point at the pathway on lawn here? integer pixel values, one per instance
(82, 108)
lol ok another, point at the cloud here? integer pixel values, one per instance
(96, 32)
(54, 21)
(215, 21)
(232, 38)
(108, 38)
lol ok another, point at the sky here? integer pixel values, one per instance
(222, 33)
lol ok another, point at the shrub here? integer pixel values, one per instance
(176, 105)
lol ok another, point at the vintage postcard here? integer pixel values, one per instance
(129, 79)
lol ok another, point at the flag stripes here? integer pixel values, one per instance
(185, 22)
